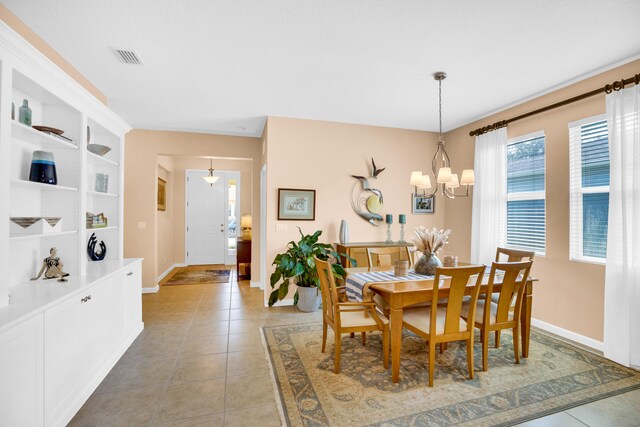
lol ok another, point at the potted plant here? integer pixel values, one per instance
(298, 264)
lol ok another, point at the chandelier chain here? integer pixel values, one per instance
(440, 107)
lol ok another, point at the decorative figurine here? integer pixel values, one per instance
(91, 249)
(52, 267)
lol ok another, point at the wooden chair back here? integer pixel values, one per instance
(514, 278)
(458, 278)
(514, 255)
(328, 289)
(384, 257)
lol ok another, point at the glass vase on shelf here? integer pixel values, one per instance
(24, 114)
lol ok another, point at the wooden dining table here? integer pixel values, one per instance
(403, 293)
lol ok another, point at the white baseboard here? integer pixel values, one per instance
(153, 290)
(281, 303)
(255, 285)
(569, 335)
(169, 270)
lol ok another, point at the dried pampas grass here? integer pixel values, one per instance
(430, 241)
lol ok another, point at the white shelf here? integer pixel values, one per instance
(111, 227)
(13, 237)
(100, 159)
(99, 194)
(28, 134)
(40, 186)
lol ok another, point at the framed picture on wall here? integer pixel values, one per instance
(422, 204)
(296, 204)
(162, 194)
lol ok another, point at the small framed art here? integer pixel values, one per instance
(422, 204)
(162, 194)
(295, 204)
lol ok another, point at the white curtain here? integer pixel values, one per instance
(488, 223)
(622, 283)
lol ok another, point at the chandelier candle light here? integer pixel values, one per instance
(446, 181)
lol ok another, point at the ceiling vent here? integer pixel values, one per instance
(127, 56)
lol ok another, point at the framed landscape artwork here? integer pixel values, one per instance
(296, 204)
(423, 204)
(162, 194)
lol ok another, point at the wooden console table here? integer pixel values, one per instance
(243, 256)
(358, 250)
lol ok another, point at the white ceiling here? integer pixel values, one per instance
(223, 66)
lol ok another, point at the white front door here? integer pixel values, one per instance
(206, 237)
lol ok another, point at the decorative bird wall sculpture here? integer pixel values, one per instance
(374, 170)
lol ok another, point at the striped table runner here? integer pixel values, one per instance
(355, 282)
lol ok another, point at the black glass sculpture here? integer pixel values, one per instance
(91, 249)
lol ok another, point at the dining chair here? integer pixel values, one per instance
(347, 317)
(444, 324)
(384, 256)
(511, 255)
(491, 316)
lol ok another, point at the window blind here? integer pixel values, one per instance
(589, 189)
(526, 213)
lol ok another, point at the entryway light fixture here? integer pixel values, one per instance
(446, 181)
(211, 178)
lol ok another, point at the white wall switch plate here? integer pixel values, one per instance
(142, 225)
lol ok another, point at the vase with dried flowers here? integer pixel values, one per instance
(429, 242)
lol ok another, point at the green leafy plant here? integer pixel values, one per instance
(298, 263)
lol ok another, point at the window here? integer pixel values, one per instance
(589, 189)
(526, 217)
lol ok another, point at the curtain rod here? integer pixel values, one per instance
(615, 86)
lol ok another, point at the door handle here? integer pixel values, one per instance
(130, 273)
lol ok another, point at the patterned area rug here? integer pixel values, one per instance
(198, 277)
(555, 377)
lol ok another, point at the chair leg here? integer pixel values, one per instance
(470, 357)
(338, 348)
(497, 339)
(364, 338)
(352, 334)
(385, 348)
(441, 348)
(516, 340)
(432, 361)
(324, 335)
(485, 349)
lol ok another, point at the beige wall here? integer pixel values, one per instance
(142, 148)
(176, 250)
(19, 27)
(570, 294)
(322, 156)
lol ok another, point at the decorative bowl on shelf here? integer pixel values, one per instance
(98, 149)
(48, 129)
(35, 225)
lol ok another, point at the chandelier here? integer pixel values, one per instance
(446, 182)
(211, 178)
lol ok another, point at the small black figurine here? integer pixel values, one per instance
(91, 249)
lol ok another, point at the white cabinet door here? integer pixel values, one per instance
(93, 330)
(133, 283)
(62, 361)
(21, 375)
(116, 310)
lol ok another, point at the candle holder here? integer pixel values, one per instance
(389, 221)
(402, 219)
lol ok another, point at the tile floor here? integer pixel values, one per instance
(200, 362)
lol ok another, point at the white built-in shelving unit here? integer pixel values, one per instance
(58, 340)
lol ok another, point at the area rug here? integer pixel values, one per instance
(199, 277)
(555, 377)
